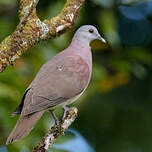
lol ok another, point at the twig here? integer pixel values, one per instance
(31, 29)
(57, 130)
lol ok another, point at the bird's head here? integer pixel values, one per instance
(88, 33)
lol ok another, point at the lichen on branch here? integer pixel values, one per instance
(57, 130)
(31, 29)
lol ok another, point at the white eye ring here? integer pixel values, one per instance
(91, 30)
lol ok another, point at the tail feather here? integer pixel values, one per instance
(23, 126)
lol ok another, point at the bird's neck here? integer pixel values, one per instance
(83, 49)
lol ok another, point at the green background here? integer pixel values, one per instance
(115, 113)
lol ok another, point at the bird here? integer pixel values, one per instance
(59, 82)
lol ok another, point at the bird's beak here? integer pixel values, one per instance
(101, 38)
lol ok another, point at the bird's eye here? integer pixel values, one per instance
(91, 30)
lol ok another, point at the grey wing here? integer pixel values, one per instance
(55, 83)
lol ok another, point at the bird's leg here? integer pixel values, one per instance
(57, 122)
(65, 108)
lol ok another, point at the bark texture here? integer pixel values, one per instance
(31, 29)
(57, 130)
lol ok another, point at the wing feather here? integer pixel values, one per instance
(57, 81)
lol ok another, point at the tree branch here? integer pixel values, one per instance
(57, 130)
(31, 29)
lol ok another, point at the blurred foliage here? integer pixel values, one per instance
(115, 112)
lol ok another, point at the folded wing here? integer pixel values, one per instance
(56, 82)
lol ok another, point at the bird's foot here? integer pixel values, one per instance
(65, 111)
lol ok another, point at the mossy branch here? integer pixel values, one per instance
(31, 29)
(57, 130)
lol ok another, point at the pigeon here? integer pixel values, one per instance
(59, 82)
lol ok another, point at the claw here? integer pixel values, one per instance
(65, 110)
